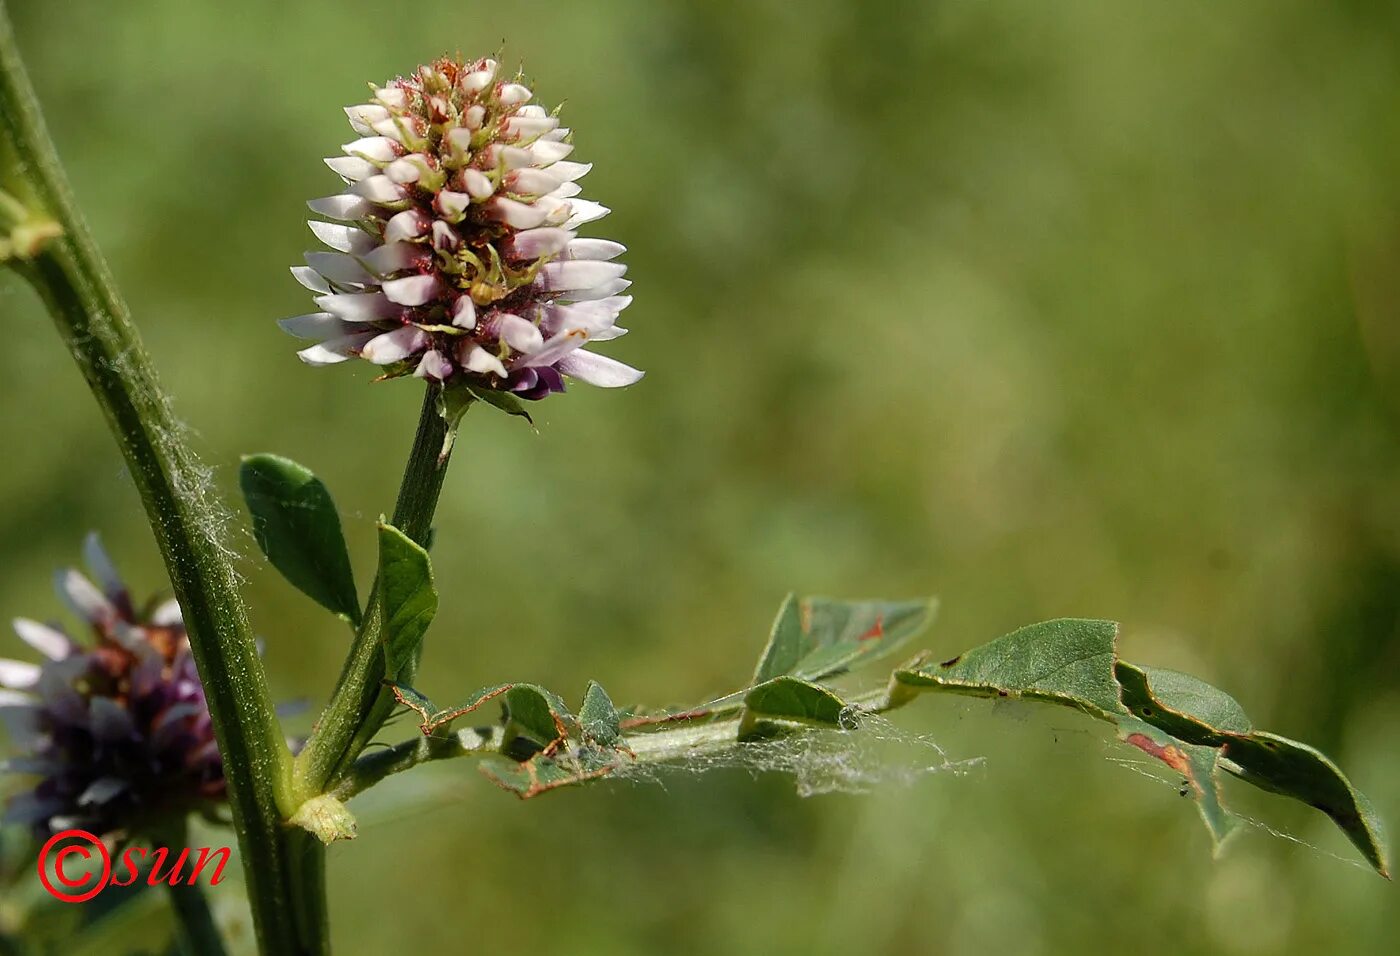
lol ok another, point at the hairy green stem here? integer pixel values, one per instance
(187, 519)
(360, 703)
(195, 928)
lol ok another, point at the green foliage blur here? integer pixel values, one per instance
(1071, 308)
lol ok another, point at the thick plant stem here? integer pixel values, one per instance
(186, 518)
(360, 703)
(195, 928)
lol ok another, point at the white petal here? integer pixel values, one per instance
(534, 111)
(513, 94)
(568, 172)
(338, 267)
(318, 326)
(556, 348)
(358, 306)
(399, 130)
(478, 184)
(533, 243)
(407, 169)
(600, 250)
(412, 290)
(474, 116)
(565, 191)
(534, 182)
(394, 97)
(598, 370)
(18, 675)
(381, 190)
(100, 564)
(379, 149)
(445, 238)
(434, 365)
(481, 361)
(528, 127)
(607, 290)
(409, 224)
(394, 346)
(101, 790)
(167, 614)
(364, 116)
(585, 210)
(451, 205)
(557, 136)
(477, 80)
(50, 642)
(344, 207)
(516, 214)
(547, 151)
(520, 334)
(579, 274)
(311, 279)
(608, 334)
(83, 598)
(352, 168)
(464, 313)
(349, 239)
(334, 351)
(509, 157)
(391, 257)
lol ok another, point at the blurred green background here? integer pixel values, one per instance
(1072, 308)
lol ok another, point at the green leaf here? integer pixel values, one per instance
(407, 600)
(543, 773)
(1194, 711)
(536, 719)
(598, 717)
(1067, 661)
(430, 717)
(505, 401)
(792, 699)
(297, 527)
(817, 637)
(1199, 768)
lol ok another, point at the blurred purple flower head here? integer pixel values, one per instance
(455, 256)
(115, 726)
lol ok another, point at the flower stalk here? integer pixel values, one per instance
(360, 703)
(73, 280)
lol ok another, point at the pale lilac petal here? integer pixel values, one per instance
(83, 598)
(516, 214)
(531, 181)
(379, 149)
(380, 190)
(513, 94)
(534, 243)
(585, 210)
(529, 127)
(600, 250)
(452, 205)
(311, 279)
(392, 257)
(101, 790)
(477, 359)
(520, 334)
(603, 291)
(579, 274)
(556, 348)
(598, 370)
(18, 675)
(407, 169)
(344, 207)
(464, 312)
(358, 306)
(547, 151)
(434, 365)
(339, 267)
(100, 564)
(167, 614)
(477, 184)
(334, 351)
(318, 326)
(566, 171)
(394, 346)
(352, 168)
(409, 224)
(341, 238)
(363, 117)
(412, 290)
(49, 641)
